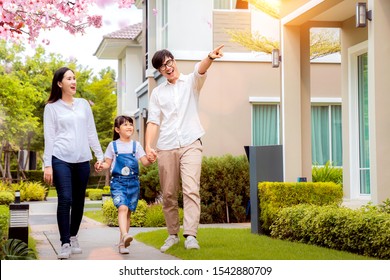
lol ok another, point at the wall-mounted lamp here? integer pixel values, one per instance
(144, 113)
(362, 15)
(276, 58)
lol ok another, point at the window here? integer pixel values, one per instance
(359, 148)
(364, 145)
(326, 132)
(162, 22)
(230, 4)
(265, 124)
(326, 135)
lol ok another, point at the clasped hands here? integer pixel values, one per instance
(151, 155)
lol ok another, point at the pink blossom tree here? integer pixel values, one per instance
(22, 20)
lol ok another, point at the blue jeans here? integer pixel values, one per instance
(70, 180)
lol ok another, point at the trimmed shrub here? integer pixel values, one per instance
(362, 231)
(95, 194)
(274, 196)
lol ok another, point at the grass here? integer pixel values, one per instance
(93, 205)
(241, 244)
(238, 244)
(52, 192)
(96, 215)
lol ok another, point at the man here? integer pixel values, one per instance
(173, 116)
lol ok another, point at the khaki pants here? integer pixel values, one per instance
(184, 163)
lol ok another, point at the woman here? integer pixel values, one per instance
(70, 133)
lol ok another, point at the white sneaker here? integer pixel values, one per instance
(191, 243)
(64, 252)
(74, 244)
(169, 242)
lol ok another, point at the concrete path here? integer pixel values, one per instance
(98, 241)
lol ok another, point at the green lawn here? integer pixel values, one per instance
(238, 244)
(241, 244)
(95, 215)
(52, 192)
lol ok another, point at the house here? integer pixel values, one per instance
(312, 108)
(365, 54)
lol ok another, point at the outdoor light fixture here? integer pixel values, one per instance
(362, 15)
(145, 113)
(18, 222)
(275, 58)
(17, 196)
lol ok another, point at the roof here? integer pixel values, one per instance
(115, 42)
(130, 32)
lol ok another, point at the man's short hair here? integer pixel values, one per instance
(159, 57)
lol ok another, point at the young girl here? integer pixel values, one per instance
(122, 156)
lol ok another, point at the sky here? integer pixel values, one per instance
(82, 47)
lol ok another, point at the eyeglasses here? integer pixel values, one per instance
(169, 63)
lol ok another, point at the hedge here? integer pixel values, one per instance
(363, 231)
(274, 196)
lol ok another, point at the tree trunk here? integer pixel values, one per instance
(7, 162)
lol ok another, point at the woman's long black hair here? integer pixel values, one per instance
(56, 92)
(119, 120)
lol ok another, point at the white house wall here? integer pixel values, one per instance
(132, 75)
(190, 31)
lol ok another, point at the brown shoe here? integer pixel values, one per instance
(126, 239)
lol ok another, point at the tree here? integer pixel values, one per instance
(323, 42)
(103, 99)
(24, 89)
(29, 17)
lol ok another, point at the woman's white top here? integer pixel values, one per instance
(70, 132)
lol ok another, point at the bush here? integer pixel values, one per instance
(4, 221)
(327, 173)
(154, 216)
(95, 194)
(110, 213)
(224, 189)
(149, 182)
(30, 191)
(277, 195)
(139, 216)
(363, 231)
(6, 197)
(144, 216)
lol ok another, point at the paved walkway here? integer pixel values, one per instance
(98, 241)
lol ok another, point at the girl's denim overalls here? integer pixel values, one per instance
(124, 183)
